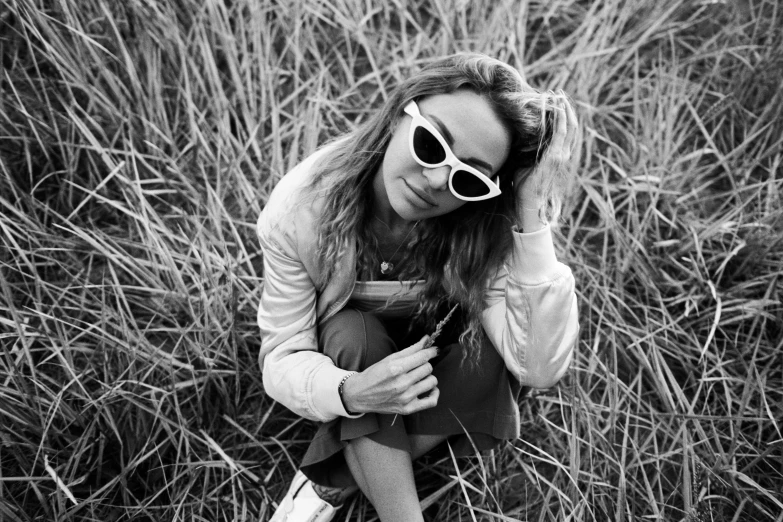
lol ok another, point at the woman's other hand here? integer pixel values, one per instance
(552, 172)
(394, 384)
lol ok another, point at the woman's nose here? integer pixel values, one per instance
(438, 178)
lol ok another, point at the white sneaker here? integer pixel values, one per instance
(302, 504)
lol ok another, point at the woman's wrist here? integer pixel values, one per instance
(530, 214)
(341, 393)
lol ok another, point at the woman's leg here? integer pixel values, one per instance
(420, 446)
(355, 341)
(385, 476)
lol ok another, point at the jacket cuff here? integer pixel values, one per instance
(326, 399)
(534, 260)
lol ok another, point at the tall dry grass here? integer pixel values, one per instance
(139, 139)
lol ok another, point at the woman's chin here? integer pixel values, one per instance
(405, 210)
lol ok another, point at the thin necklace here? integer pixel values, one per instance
(386, 266)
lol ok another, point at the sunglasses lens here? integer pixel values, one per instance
(468, 185)
(427, 147)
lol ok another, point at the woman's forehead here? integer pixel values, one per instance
(470, 124)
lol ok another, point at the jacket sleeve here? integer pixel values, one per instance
(531, 314)
(294, 373)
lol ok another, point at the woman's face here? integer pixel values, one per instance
(476, 136)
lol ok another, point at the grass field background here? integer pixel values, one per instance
(139, 140)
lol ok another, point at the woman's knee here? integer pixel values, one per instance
(354, 340)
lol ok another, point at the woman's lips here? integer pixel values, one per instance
(420, 197)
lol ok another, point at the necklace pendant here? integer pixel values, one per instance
(386, 268)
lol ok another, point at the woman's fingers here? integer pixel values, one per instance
(417, 346)
(430, 401)
(412, 357)
(573, 125)
(424, 386)
(419, 382)
(558, 148)
(419, 373)
(393, 384)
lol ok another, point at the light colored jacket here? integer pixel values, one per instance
(530, 314)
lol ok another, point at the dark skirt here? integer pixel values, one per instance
(476, 410)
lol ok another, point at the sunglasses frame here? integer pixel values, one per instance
(412, 110)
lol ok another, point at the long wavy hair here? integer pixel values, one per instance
(459, 251)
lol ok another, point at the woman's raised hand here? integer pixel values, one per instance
(394, 384)
(553, 169)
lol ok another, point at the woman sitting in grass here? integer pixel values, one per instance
(439, 202)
